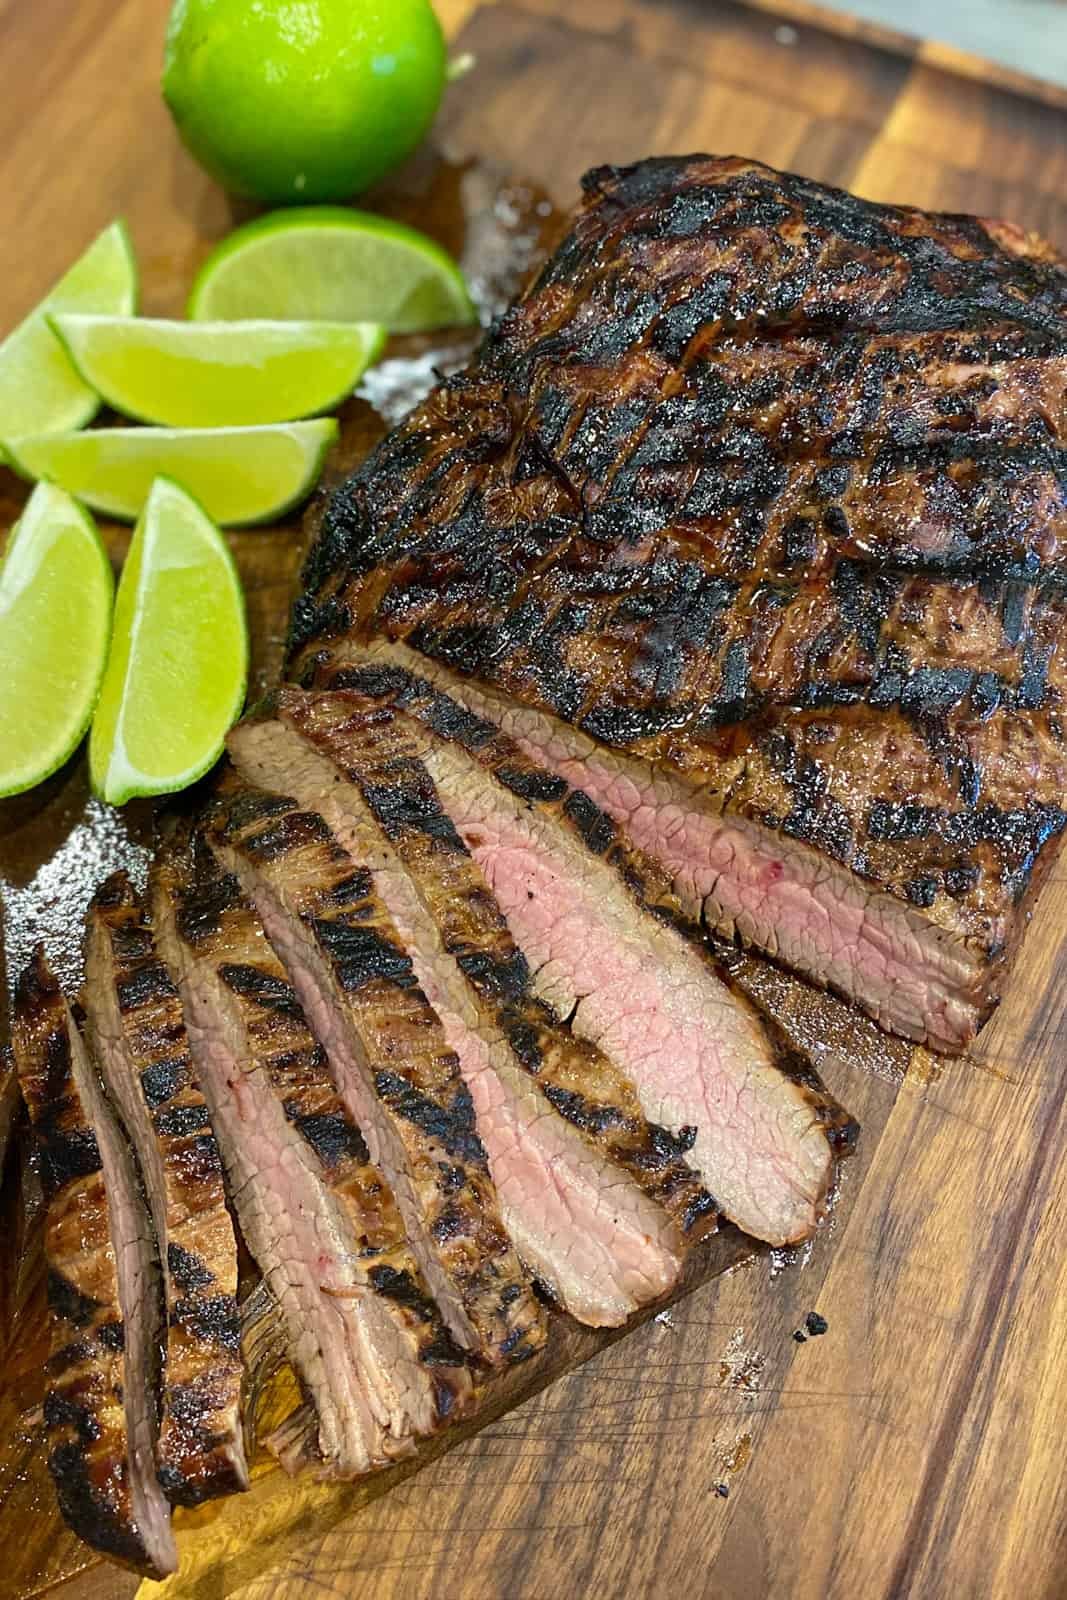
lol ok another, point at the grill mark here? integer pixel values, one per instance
(189, 1271)
(332, 1136)
(362, 956)
(366, 741)
(212, 1319)
(264, 989)
(177, 1121)
(453, 1126)
(162, 1080)
(150, 982)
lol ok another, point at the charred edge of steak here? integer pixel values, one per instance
(645, 880)
(390, 1059)
(101, 1397)
(281, 1042)
(576, 1079)
(927, 989)
(292, 1225)
(573, 1217)
(763, 484)
(138, 1031)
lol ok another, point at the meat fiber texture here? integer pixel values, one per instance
(607, 946)
(390, 1059)
(569, 1149)
(747, 518)
(138, 1035)
(308, 1160)
(103, 1289)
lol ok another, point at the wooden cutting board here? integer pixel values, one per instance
(916, 1448)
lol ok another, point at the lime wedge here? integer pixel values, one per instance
(240, 475)
(331, 264)
(219, 374)
(40, 392)
(55, 616)
(178, 663)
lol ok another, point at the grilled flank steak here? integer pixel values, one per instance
(746, 520)
(396, 1074)
(138, 1036)
(561, 1126)
(101, 1401)
(608, 946)
(319, 1218)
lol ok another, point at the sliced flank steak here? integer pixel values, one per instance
(319, 1218)
(749, 516)
(102, 1396)
(569, 1148)
(610, 948)
(137, 1032)
(391, 1062)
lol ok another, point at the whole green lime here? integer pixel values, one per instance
(302, 100)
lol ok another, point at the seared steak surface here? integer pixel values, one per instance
(363, 1331)
(138, 1035)
(101, 1399)
(752, 504)
(562, 1128)
(390, 1060)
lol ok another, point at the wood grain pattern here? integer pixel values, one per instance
(1018, 47)
(915, 1449)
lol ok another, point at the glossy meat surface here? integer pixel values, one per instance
(138, 1034)
(389, 1058)
(101, 1399)
(563, 1130)
(759, 489)
(608, 946)
(298, 1147)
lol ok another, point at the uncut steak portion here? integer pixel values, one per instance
(137, 1031)
(101, 1397)
(390, 1059)
(608, 946)
(746, 519)
(563, 1129)
(341, 1267)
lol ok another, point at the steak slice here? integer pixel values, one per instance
(101, 1403)
(609, 947)
(371, 1296)
(750, 512)
(137, 1033)
(390, 1060)
(557, 1119)
(739, 879)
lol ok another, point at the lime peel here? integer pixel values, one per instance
(56, 591)
(334, 264)
(219, 374)
(40, 390)
(243, 476)
(177, 670)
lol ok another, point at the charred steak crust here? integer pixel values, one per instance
(593, 1238)
(763, 484)
(645, 881)
(231, 939)
(408, 1078)
(91, 1456)
(371, 744)
(138, 1031)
